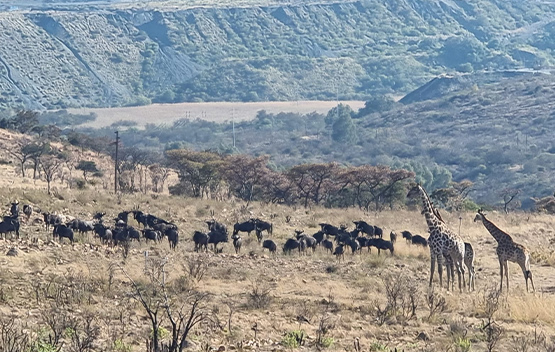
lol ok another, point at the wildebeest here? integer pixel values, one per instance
(363, 242)
(62, 231)
(393, 236)
(103, 232)
(380, 244)
(213, 225)
(216, 237)
(264, 226)
(152, 235)
(98, 216)
(419, 240)
(309, 241)
(339, 252)
(319, 236)
(173, 237)
(81, 225)
(201, 240)
(270, 245)
(291, 244)
(364, 227)
(328, 245)
(247, 226)
(27, 210)
(140, 217)
(237, 243)
(354, 244)
(14, 209)
(329, 229)
(378, 232)
(10, 224)
(124, 216)
(51, 219)
(407, 236)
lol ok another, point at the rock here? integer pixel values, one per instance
(423, 336)
(13, 252)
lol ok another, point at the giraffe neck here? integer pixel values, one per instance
(496, 232)
(431, 217)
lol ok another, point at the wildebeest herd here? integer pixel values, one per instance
(336, 240)
(363, 235)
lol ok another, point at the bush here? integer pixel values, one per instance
(293, 339)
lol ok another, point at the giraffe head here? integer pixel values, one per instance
(479, 216)
(414, 191)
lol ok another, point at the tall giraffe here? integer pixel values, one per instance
(442, 240)
(508, 251)
(468, 260)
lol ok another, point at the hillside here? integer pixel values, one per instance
(103, 53)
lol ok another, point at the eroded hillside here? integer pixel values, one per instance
(109, 54)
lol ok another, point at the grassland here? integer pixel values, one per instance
(89, 278)
(216, 112)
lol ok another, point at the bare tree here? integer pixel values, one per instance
(509, 195)
(21, 151)
(50, 164)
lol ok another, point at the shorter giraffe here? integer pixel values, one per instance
(468, 261)
(508, 251)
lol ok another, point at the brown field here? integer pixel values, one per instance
(53, 285)
(218, 112)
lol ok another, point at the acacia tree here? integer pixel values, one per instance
(200, 170)
(244, 175)
(313, 182)
(276, 187)
(87, 167)
(453, 197)
(158, 175)
(21, 150)
(50, 164)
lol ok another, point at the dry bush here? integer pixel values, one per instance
(195, 267)
(13, 336)
(436, 303)
(259, 295)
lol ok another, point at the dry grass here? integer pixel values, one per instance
(217, 112)
(312, 285)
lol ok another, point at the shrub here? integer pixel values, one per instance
(293, 339)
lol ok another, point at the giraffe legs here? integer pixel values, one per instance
(506, 265)
(432, 267)
(501, 273)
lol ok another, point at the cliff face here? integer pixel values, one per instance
(111, 56)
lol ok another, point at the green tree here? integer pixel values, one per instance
(344, 130)
(378, 103)
(335, 113)
(87, 167)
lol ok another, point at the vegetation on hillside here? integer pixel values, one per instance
(350, 50)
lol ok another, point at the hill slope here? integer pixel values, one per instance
(112, 55)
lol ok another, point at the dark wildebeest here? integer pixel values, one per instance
(407, 236)
(98, 216)
(319, 236)
(328, 245)
(339, 252)
(354, 244)
(393, 236)
(201, 240)
(264, 226)
(213, 225)
(309, 241)
(81, 225)
(62, 231)
(173, 237)
(237, 243)
(140, 217)
(270, 245)
(364, 227)
(291, 244)
(27, 210)
(10, 224)
(152, 235)
(124, 216)
(247, 226)
(329, 229)
(363, 242)
(14, 210)
(216, 237)
(380, 244)
(419, 240)
(51, 219)
(103, 232)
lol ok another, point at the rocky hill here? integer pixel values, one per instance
(113, 53)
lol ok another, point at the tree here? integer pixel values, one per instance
(244, 175)
(87, 167)
(201, 170)
(313, 181)
(378, 103)
(509, 194)
(335, 113)
(344, 130)
(454, 196)
(21, 150)
(50, 164)
(158, 175)
(23, 122)
(35, 150)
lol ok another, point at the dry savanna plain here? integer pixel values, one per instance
(69, 295)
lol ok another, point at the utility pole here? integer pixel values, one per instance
(116, 164)
(233, 125)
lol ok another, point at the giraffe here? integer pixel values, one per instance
(442, 240)
(508, 251)
(468, 262)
